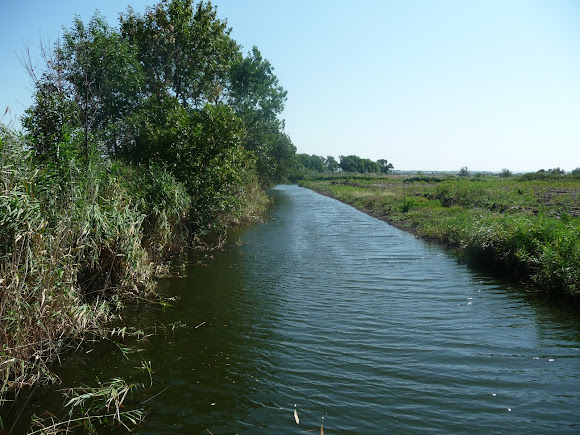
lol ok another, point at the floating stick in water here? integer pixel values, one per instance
(296, 415)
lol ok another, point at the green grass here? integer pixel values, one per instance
(527, 226)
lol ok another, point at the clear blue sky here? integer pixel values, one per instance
(428, 85)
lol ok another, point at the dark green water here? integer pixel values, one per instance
(351, 320)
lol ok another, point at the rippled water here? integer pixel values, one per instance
(361, 326)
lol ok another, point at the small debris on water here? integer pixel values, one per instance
(296, 419)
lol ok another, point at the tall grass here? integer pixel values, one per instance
(79, 237)
(165, 205)
(70, 252)
(93, 408)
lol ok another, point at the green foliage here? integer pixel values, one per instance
(464, 172)
(354, 163)
(312, 163)
(201, 149)
(109, 405)
(48, 120)
(185, 50)
(546, 250)
(258, 99)
(170, 88)
(105, 76)
(331, 164)
(505, 173)
(384, 166)
(253, 90)
(91, 83)
(407, 204)
(423, 178)
(164, 203)
(312, 166)
(70, 251)
(542, 174)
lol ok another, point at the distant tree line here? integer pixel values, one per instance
(353, 164)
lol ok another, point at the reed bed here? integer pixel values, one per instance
(78, 239)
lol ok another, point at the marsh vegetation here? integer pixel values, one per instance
(142, 140)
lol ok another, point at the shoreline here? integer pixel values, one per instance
(536, 249)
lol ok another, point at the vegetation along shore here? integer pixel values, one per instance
(526, 225)
(143, 139)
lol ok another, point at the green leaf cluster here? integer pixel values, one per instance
(168, 87)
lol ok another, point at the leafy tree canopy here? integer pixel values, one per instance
(141, 91)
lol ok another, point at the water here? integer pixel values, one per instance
(361, 326)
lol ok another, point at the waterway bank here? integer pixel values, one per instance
(530, 230)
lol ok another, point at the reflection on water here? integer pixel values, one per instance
(355, 322)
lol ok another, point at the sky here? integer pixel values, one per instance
(427, 85)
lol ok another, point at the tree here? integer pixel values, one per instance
(464, 172)
(354, 163)
(188, 55)
(105, 79)
(171, 88)
(203, 149)
(91, 82)
(185, 51)
(505, 173)
(368, 166)
(255, 95)
(46, 119)
(312, 162)
(384, 166)
(556, 172)
(253, 90)
(331, 164)
(350, 163)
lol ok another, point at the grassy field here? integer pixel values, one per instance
(528, 225)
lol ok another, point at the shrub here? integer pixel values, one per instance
(505, 173)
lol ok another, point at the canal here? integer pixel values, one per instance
(352, 323)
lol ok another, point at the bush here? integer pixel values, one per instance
(505, 173)
(71, 251)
